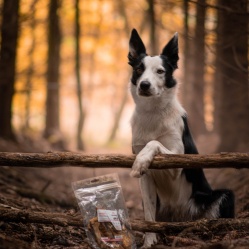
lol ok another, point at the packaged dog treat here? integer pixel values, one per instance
(104, 213)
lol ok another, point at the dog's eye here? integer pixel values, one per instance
(139, 71)
(160, 71)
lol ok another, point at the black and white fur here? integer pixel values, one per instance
(159, 126)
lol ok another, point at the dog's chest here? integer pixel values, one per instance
(145, 129)
(173, 193)
(152, 126)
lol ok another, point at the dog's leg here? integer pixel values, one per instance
(145, 157)
(148, 190)
(147, 184)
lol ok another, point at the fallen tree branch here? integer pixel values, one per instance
(16, 215)
(58, 159)
(183, 241)
(171, 228)
(215, 226)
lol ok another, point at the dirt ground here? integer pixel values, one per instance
(50, 191)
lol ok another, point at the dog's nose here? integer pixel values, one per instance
(144, 85)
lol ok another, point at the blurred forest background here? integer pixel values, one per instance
(64, 82)
(64, 74)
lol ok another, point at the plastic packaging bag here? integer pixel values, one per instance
(104, 213)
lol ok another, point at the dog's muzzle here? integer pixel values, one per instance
(144, 88)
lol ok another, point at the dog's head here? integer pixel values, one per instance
(152, 75)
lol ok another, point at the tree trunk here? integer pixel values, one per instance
(197, 102)
(121, 9)
(233, 76)
(217, 75)
(194, 63)
(186, 90)
(152, 22)
(188, 66)
(52, 129)
(9, 35)
(80, 144)
(31, 67)
(119, 114)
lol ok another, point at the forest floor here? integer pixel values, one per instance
(28, 191)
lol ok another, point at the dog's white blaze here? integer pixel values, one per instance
(157, 81)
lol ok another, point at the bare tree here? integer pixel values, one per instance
(188, 61)
(52, 129)
(197, 102)
(80, 144)
(194, 65)
(152, 22)
(30, 70)
(9, 36)
(232, 70)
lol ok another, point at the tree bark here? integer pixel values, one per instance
(80, 144)
(194, 63)
(58, 159)
(217, 75)
(9, 36)
(232, 64)
(197, 101)
(188, 64)
(152, 22)
(30, 70)
(52, 129)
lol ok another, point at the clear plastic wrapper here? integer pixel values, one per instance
(104, 213)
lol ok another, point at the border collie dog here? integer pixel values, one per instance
(159, 126)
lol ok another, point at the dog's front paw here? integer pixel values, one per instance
(137, 172)
(140, 167)
(149, 240)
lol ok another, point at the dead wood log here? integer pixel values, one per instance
(58, 159)
(171, 228)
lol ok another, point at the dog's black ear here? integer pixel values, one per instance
(136, 47)
(171, 51)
